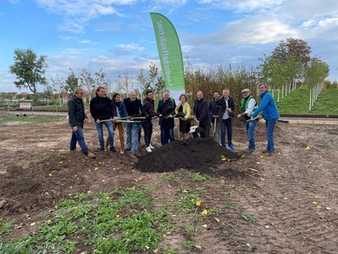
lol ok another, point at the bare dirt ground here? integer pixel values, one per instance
(287, 203)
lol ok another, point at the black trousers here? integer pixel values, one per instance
(148, 132)
(226, 129)
(203, 129)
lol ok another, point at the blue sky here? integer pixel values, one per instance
(117, 36)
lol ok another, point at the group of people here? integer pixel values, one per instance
(129, 116)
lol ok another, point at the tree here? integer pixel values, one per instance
(87, 81)
(142, 79)
(58, 84)
(296, 48)
(315, 75)
(29, 69)
(72, 83)
(152, 80)
(124, 83)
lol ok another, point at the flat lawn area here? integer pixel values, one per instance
(11, 119)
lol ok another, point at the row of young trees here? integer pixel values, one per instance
(291, 65)
(210, 81)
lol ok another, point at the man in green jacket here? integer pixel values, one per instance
(247, 106)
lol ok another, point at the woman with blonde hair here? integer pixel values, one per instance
(183, 111)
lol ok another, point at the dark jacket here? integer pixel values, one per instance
(166, 109)
(101, 108)
(121, 108)
(76, 112)
(134, 108)
(148, 109)
(222, 106)
(201, 111)
(214, 108)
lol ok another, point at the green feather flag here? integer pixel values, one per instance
(170, 54)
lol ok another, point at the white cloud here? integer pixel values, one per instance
(86, 42)
(243, 5)
(78, 13)
(130, 47)
(171, 2)
(253, 30)
(7, 81)
(307, 9)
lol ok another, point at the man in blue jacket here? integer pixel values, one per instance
(268, 107)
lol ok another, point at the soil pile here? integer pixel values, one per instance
(194, 154)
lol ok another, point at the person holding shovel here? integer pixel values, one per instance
(214, 110)
(267, 106)
(227, 105)
(247, 106)
(183, 112)
(101, 109)
(77, 116)
(120, 113)
(201, 111)
(166, 111)
(134, 110)
(148, 112)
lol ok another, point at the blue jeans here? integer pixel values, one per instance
(226, 129)
(251, 132)
(99, 128)
(270, 126)
(78, 137)
(128, 134)
(165, 135)
(172, 135)
(135, 137)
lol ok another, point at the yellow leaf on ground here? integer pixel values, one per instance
(198, 203)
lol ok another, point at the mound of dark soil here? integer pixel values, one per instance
(194, 154)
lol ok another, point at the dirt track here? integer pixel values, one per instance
(292, 197)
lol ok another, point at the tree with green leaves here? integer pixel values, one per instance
(292, 48)
(286, 65)
(29, 69)
(315, 74)
(72, 83)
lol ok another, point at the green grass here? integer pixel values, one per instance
(295, 103)
(327, 103)
(187, 200)
(121, 222)
(298, 102)
(21, 120)
(5, 228)
(198, 177)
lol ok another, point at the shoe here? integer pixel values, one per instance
(230, 148)
(268, 152)
(148, 149)
(91, 155)
(121, 151)
(113, 150)
(250, 151)
(151, 146)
